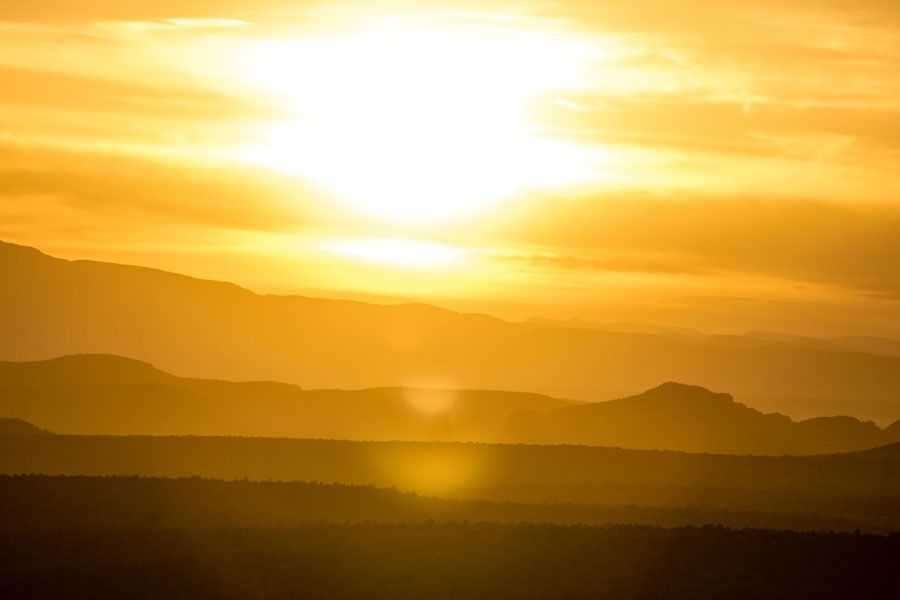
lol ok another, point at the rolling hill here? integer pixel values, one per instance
(100, 394)
(448, 561)
(79, 503)
(860, 485)
(674, 416)
(52, 307)
(65, 503)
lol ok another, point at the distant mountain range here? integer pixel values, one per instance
(52, 307)
(868, 344)
(674, 416)
(98, 394)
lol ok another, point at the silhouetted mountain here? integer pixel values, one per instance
(577, 323)
(101, 394)
(871, 345)
(891, 451)
(868, 344)
(893, 430)
(19, 427)
(674, 416)
(883, 412)
(52, 307)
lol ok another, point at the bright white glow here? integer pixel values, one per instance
(402, 253)
(417, 122)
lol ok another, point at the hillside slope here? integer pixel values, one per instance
(52, 307)
(99, 394)
(693, 419)
(19, 427)
(840, 484)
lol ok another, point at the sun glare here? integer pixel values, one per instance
(411, 254)
(416, 122)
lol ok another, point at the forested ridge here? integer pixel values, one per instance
(448, 560)
(60, 503)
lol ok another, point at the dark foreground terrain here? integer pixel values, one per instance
(41, 503)
(447, 560)
(863, 487)
(495, 521)
(132, 537)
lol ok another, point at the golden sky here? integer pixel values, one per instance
(722, 165)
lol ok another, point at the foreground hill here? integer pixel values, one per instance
(52, 307)
(66, 503)
(96, 394)
(861, 485)
(448, 560)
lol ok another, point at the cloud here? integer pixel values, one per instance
(173, 24)
(34, 89)
(65, 11)
(55, 190)
(628, 263)
(752, 146)
(838, 244)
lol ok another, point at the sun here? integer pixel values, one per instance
(414, 121)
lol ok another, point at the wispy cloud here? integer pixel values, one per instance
(752, 148)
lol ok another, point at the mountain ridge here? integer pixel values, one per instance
(692, 418)
(122, 396)
(217, 330)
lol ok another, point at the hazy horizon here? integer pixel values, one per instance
(730, 172)
(519, 314)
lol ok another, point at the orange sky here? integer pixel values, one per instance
(727, 166)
